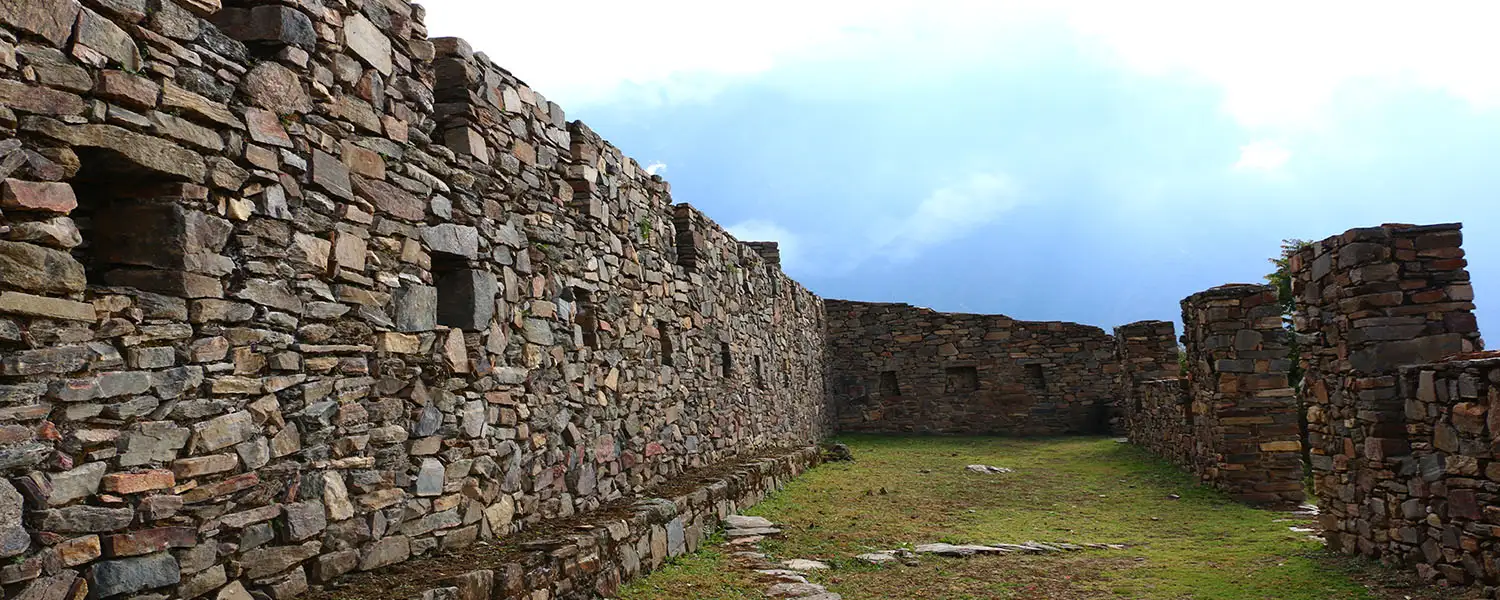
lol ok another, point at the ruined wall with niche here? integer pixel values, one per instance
(899, 368)
(288, 290)
(1400, 430)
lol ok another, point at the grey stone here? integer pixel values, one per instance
(51, 20)
(430, 478)
(39, 269)
(152, 442)
(85, 519)
(416, 308)
(58, 232)
(22, 456)
(276, 88)
(125, 576)
(386, 552)
(268, 24)
(428, 422)
(13, 537)
(368, 42)
(131, 150)
(265, 562)
(456, 240)
(225, 431)
(275, 294)
(76, 484)
(304, 520)
(54, 587)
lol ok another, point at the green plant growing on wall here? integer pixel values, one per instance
(1281, 279)
(645, 226)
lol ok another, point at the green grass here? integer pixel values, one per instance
(908, 491)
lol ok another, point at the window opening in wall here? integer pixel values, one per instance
(446, 271)
(760, 373)
(1036, 377)
(586, 316)
(889, 386)
(962, 379)
(664, 333)
(726, 361)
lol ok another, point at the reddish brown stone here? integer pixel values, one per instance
(147, 541)
(135, 483)
(37, 196)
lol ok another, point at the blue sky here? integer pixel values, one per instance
(1063, 160)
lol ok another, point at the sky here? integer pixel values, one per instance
(1086, 161)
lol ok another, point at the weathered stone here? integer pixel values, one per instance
(275, 88)
(264, 562)
(51, 20)
(391, 199)
(225, 431)
(268, 24)
(457, 240)
(416, 308)
(386, 552)
(39, 100)
(115, 577)
(274, 294)
(33, 267)
(152, 442)
(430, 478)
(368, 42)
(41, 306)
(147, 541)
(37, 196)
(76, 484)
(330, 174)
(135, 483)
(59, 232)
(265, 128)
(466, 298)
(106, 38)
(85, 519)
(13, 538)
(131, 150)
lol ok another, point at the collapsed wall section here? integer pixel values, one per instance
(288, 290)
(898, 368)
(1370, 302)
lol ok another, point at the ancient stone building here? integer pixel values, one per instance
(898, 368)
(289, 291)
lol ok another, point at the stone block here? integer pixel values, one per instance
(38, 196)
(456, 240)
(268, 24)
(416, 308)
(103, 36)
(368, 42)
(51, 20)
(127, 150)
(40, 306)
(130, 575)
(39, 100)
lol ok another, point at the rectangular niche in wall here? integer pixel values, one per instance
(465, 295)
(760, 373)
(726, 360)
(962, 379)
(586, 317)
(1036, 377)
(664, 333)
(889, 386)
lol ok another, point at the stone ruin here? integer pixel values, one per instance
(289, 291)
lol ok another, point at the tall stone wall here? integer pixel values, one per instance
(898, 368)
(288, 290)
(1233, 421)
(1369, 302)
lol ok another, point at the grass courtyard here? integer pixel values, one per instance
(1183, 540)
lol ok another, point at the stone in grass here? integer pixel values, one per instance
(795, 590)
(799, 564)
(783, 575)
(987, 469)
(744, 522)
(959, 550)
(878, 558)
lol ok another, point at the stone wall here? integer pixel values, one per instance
(1233, 421)
(288, 290)
(898, 368)
(1370, 302)
(1147, 351)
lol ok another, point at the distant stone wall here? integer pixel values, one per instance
(289, 290)
(1233, 421)
(1389, 447)
(1147, 351)
(898, 368)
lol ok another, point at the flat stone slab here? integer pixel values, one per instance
(799, 564)
(988, 469)
(878, 558)
(744, 522)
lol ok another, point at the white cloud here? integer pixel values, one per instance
(656, 168)
(1262, 155)
(761, 230)
(1279, 62)
(948, 213)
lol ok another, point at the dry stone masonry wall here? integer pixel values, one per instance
(288, 290)
(898, 368)
(1399, 438)
(1233, 419)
